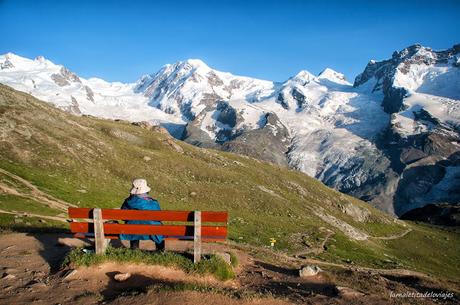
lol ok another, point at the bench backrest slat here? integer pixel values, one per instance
(165, 230)
(116, 214)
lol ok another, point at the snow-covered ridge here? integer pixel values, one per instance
(417, 79)
(321, 125)
(59, 86)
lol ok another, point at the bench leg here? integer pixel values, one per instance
(100, 241)
(197, 237)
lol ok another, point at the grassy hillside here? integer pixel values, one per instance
(50, 159)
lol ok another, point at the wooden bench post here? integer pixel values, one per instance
(197, 237)
(99, 237)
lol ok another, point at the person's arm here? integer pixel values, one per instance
(155, 205)
(124, 206)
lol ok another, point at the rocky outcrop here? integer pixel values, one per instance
(309, 270)
(89, 94)
(438, 214)
(269, 143)
(65, 77)
(7, 64)
(73, 107)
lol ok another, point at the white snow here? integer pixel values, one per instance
(332, 125)
(441, 80)
(111, 100)
(442, 109)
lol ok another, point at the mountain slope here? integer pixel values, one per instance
(421, 92)
(51, 159)
(373, 139)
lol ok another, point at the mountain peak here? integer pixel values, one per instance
(40, 58)
(332, 75)
(196, 63)
(304, 75)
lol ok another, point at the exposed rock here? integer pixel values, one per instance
(11, 271)
(7, 276)
(147, 158)
(346, 292)
(121, 134)
(160, 129)
(152, 127)
(37, 285)
(346, 228)
(437, 214)
(72, 77)
(65, 77)
(356, 212)
(7, 64)
(174, 145)
(70, 274)
(143, 124)
(74, 107)
(309, 270)
(60, 80)
(89, 94)
(269, 143)
(121, 277)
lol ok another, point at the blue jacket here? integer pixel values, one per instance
(141, 202)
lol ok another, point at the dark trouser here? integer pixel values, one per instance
(134, 244)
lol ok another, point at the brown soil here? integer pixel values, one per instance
(30, 273)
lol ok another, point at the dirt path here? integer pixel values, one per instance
(57, 218)
(35, 193)
(296, 261)
(395, 236)
(318, 250)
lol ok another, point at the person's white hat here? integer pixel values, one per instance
(140, 187)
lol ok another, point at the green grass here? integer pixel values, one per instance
(210, 264)
(234, 260)
(428, 249)
(10, 223)
(14, 184)
(18, 203)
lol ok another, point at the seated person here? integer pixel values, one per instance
(140, 200)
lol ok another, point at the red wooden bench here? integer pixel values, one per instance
(95, 225)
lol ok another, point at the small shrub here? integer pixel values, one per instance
(216, 266)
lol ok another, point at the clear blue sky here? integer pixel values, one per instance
(121, 40)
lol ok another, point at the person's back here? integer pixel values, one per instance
(140, 200)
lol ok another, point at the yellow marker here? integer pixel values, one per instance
(272, 242)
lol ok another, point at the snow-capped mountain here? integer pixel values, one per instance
(421, 92)
(372, 139)
(59, 86)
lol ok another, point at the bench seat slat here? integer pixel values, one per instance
(117, 214)
(183, 238)
(165, 230)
